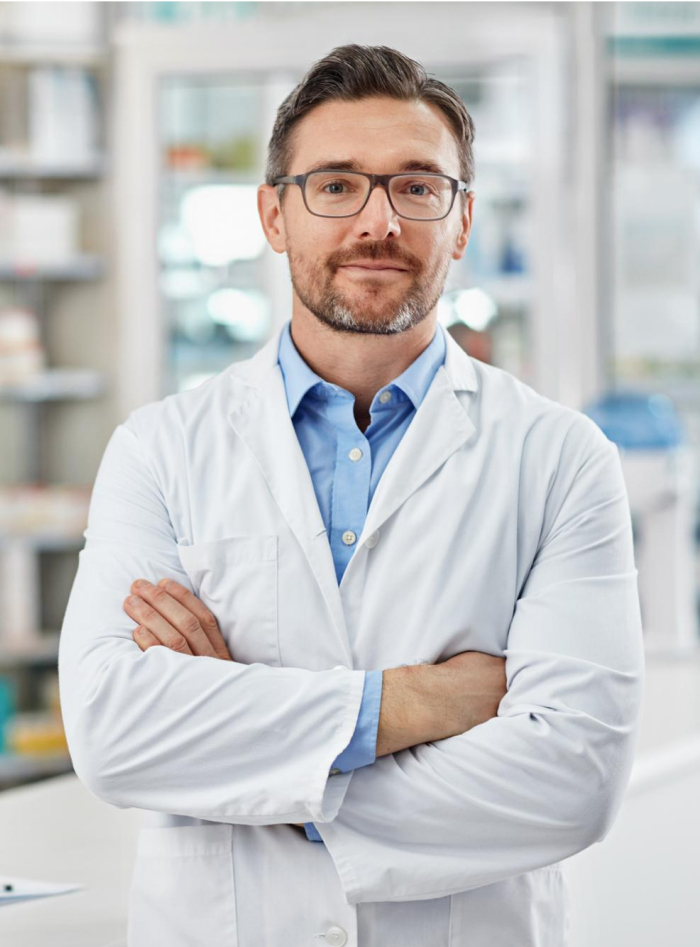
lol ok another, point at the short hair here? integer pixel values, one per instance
(353, 72)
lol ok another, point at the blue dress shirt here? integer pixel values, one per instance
(345, 466)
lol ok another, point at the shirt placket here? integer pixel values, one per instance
(351, 483)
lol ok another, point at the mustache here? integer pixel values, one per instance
(374, 252)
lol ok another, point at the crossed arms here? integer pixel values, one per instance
(251, 744)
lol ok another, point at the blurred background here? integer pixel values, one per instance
(133, 264)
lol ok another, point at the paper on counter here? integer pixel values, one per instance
(13, 889)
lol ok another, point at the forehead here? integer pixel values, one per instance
(377, 133)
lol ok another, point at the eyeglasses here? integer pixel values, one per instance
(413, 196)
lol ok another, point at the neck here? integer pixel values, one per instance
(362, 363)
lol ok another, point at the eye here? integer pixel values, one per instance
(336, 185)
(419, 193)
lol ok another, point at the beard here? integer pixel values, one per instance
(373, 308)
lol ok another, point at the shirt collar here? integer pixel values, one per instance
(414, 381)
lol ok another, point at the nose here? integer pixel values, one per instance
(377, 218)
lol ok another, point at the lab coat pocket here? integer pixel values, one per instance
(236, 578)
(182, 890)
(530, 910)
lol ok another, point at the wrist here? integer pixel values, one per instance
(410, 708)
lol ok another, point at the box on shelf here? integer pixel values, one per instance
(41, 229)
(22, 354)
(56, 511)
(63, 116)
(35, 733)
(51, 23)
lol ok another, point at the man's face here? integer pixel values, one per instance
(381, 135)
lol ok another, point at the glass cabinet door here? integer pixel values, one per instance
(653, 221)
(210, 242)
(486, 303)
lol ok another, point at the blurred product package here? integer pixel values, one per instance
(33, 517)
(35, 733)
(51, 510)
(39, 229)
(39, 731)
(8, 704)
(48, 23)
(22, 354)
(62, 116)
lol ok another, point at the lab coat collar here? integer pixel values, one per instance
(260, 416)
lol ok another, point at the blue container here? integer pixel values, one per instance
(638, 420)
(7, 709)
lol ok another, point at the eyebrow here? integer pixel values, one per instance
(416, 165)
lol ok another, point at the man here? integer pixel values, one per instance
(383, 670)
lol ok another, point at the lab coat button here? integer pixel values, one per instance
(340, 667)
(349, 537)
(335, 771)
(372, 539)
(336, 936)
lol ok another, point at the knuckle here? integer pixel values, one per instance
(190, 625)
(158, 593)
(210, 623)
(178, 643)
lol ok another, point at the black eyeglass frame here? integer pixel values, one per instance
(374, 180)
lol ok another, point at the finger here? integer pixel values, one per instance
(179, 617)
(144, 614)
(144, 639)
(207, 620)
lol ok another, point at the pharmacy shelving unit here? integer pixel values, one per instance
(34, 655)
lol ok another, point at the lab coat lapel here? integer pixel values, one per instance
(260, 417)
(440, 426)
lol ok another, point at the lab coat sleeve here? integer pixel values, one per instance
(191, 735)
(544, 778)
(362, 748)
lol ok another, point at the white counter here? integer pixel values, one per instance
(637, 887)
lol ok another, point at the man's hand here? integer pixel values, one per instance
(170, 615)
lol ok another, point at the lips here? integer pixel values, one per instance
(376, 266)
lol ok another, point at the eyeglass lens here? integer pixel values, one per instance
(344, 193)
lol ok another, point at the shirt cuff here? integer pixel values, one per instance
(362, 748)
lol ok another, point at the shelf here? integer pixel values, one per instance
(65, 54)
(83, 267)
(55, 384)
(44, 542)
(43, 651)
(16, 766)
(76, 171)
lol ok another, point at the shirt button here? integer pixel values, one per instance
(355, 453)
(336, 936)
(372, 539)
(349, 537)
(385, 396)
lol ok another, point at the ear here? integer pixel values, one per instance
(271, 217)
(465, 227)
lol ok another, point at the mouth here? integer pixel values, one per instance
(366, 269)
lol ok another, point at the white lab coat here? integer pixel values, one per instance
(500, 525)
